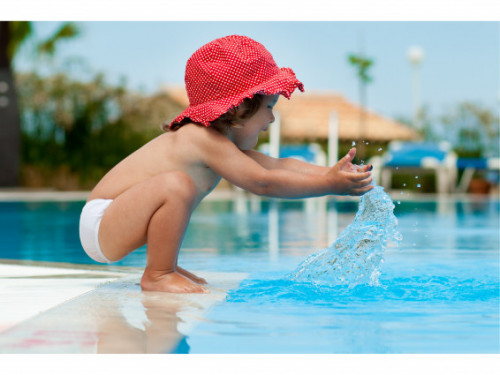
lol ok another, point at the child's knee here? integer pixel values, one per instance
(179, 185)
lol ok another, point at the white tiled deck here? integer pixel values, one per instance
(75, 309)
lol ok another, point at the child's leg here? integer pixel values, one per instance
(155, 212)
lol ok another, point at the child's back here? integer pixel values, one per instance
(172, 151)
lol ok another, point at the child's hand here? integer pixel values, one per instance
(350, 179)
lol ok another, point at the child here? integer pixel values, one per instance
(233, 84)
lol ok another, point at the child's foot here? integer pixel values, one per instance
(172, 282)
(189, 275)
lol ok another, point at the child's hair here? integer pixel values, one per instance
(229, 119)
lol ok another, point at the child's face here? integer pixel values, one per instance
(246, 136)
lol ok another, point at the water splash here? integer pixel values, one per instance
(357, 254)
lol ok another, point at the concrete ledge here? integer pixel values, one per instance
(42, 195)
(27, 195)
(115, 317)
(27, 290)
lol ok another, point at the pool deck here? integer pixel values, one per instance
(52, 308)
(29, 195)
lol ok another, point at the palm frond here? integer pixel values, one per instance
(67, 30)
(19, 32)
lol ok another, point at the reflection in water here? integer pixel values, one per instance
(147, 325)
(127, 320)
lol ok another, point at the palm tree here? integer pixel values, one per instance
(362, 64)
(12, 35)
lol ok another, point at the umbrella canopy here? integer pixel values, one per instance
(306, 116)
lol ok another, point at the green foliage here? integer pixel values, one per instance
(473, 130)
(362, 66)
(19, 32)
(87, 127)
(67, 31)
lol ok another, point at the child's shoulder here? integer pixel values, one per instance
(198, 133)
(200, 140)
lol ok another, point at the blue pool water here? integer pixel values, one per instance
(438, 293)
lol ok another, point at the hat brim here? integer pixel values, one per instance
(283, 83)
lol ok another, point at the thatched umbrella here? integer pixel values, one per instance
(306, 117)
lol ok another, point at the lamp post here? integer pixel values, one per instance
(416, 56)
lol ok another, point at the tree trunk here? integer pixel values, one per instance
(10, 129)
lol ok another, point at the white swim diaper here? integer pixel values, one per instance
(90, 220)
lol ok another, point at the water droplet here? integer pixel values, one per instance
(418, 185)
(404, 184)
(399, 202)
(380, 149)
(416, 177)
(353, 143)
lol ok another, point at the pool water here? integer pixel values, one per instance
(438, 293)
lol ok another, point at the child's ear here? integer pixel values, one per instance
(237, 126)
(239, 110)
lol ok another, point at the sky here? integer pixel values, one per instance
(461, 59)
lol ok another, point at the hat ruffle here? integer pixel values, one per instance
(283, 83)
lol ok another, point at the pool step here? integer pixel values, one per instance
(117, 317)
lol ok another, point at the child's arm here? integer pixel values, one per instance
(225, 159)
(296, 165)
(289, 164)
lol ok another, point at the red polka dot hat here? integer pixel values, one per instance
(223, 73)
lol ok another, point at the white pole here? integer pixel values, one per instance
(333, 155)
(333, 139)
(273, 225)
(274, 136)
(274, 230)
(416, 96)
(333, 225)
(416, 56)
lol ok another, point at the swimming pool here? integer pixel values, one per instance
(439, 291)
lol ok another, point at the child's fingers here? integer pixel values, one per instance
(361, 191)
(347, 158)
(363, 183)
(366, 168)
(356, 176)
(352, 153)
(361, 168)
